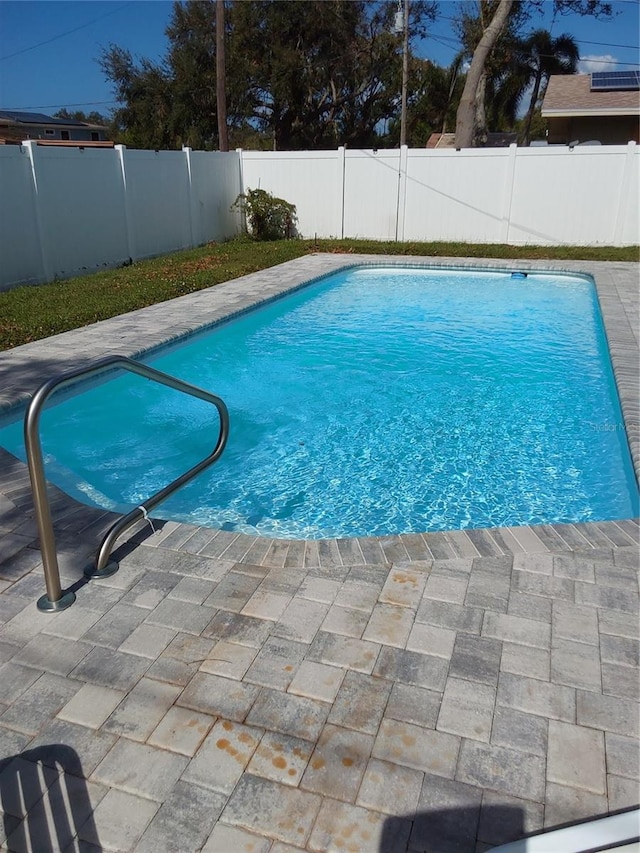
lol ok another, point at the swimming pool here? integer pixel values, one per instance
(372, 402)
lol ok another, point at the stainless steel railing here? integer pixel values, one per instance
(57, 598)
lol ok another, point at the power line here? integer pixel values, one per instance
(582, 41)
(606, 61)
(66, 33)
(60, 106)
(608, 44)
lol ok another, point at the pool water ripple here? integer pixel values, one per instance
(373, 402)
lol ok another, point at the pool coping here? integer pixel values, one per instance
(140, 332)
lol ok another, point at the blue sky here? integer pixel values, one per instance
(48, 48)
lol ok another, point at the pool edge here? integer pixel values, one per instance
(167, 322)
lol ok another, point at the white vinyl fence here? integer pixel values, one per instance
(538, 196)
(65, 211)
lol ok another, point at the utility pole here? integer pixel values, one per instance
(221, 88)
(405, 73)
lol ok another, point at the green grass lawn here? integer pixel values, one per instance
(35, 312)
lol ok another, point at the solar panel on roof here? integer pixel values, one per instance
(611, 81)
(37, 118)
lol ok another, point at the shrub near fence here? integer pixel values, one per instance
(69, 210)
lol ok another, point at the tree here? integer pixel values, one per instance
(79, 115)
(499, 13)
(465, 119)
(545, 56)
(146, 120)
(322, 72)
(308, 74)
(433, 97)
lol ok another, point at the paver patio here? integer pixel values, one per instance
(436, 692)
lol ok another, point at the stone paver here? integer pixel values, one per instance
(467, 709)
(225, 752)
(301, 620)
(65, 745)
(520, 731)
(576, 757)
(503, 770)
(432, 641)
(39, 703)
(345, 620)
(341, 827)
(221, 697)
(184, 821)
(390, 788)
(389, 625)
(142, 709)
(148, 641)
(287, 714)
(360, 702)
(229, 659)
(181, 730)
(411, 668)
(317, 681)
(281, 758)
(140, 770)
(448, 811)
(476, 659)
(417, 747)
(91, 705)
(111, 669)
(554, 701)
(403, 587)
(276, 664)
(224, 692)
(266, 807)
(565, 805)
(118, 821)
(226, 837)
(338, 762)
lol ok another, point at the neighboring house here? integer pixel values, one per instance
(494, 140)
(16, 127)
(600, 107)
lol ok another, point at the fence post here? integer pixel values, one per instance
(623, 198)
(241, 223)
(48, 273)
(342, 165)
(507, 200)
(195, 222)
(131, 243)
(402, 193)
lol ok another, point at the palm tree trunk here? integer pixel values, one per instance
(480, 115)
(466, 109)
(532, 107)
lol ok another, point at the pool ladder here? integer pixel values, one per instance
(57, 598)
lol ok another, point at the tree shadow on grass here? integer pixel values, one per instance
(44, 800)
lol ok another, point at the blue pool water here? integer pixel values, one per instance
(375, 401)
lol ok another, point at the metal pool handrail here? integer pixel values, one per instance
(57, 598)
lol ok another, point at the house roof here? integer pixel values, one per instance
(571, 95)
(18, 117)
